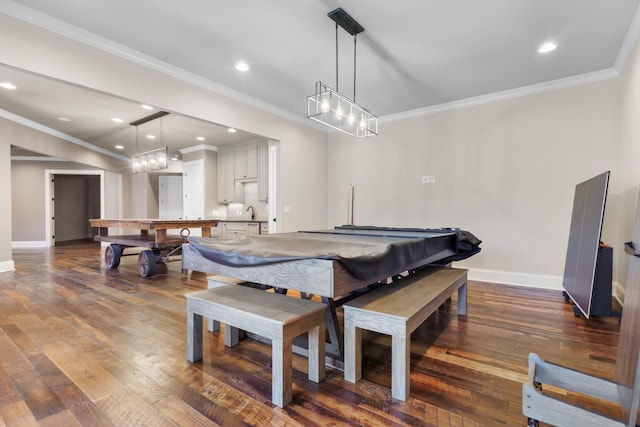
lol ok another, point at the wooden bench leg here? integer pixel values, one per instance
(352, 353)
(231, 336)
(462, 300)
(194, 336)
(317, 338)
(281, 376)
(213, 325)
(400, 364)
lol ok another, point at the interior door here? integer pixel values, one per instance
(170, 197)
(193, 192)
(192, 184)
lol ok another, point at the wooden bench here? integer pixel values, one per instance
(277, 317)
(397, 310)
(216, 282)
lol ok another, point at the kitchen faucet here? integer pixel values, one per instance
(253, 212)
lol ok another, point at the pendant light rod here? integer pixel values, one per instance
(354, 67)
(337, 86)
(351, 26)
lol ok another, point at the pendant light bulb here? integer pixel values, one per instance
(324, 106)
(363, 123)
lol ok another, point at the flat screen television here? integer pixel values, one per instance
(584, 241)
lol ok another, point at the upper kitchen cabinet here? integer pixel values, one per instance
(227, 188)
(246, 162)
(241, 164)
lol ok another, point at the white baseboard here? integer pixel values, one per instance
(538, 281)
(7, 266)
(618, 293)
(518, 279)
(30, 244)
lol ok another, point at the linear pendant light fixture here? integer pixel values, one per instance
(333, 109)
(153, 159)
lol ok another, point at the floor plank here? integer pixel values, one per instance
(84, 345)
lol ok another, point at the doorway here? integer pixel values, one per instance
(73, 197)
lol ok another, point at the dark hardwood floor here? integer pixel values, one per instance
(83, 345)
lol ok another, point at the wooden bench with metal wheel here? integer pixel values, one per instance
(158, 246)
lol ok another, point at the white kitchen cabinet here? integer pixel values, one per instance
(228, 190)
(263, 172)
(246, 162)
(239, 229)
(238, 165)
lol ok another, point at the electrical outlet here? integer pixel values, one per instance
(428, 179)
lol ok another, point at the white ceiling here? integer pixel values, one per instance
(413, 54)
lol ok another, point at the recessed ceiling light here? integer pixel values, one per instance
(174, 158)
(64, 119)
(119, 147)
(200, 138)
(150, 136)
(231, 130)
(242, 66)
(7, 85)
(116, 120)
(547, 47)
(147, 107)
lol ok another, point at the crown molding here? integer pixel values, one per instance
(37, 159)
(200, 147)
(44, 129)
(57, 26)
(629, 43)
(77, 34)
(506, 94)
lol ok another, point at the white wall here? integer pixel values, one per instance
(27, 198)
(506, 171)
(6, 261)
(303, 149)
(629, 178)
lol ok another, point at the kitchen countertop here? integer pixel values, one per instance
(243, 220)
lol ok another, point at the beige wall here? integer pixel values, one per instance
(303, 150)
(6, 261)
(629, 153)
(505, 170)
(28, 201)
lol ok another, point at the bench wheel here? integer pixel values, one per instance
(146, 263)
(112, 255)
(532, 423)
